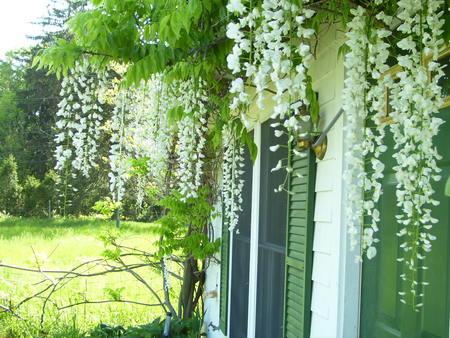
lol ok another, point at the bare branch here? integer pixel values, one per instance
(142, 280)
(106, 301)
(7, 309)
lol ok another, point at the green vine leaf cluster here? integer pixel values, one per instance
(114, 293)
(106, 207)
(152, 36)
(182, 229)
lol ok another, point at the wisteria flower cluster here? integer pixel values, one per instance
(79, 118)
(415, 101)
(140, 130)
(159, 131)
(192, 97)
(364, 106)
(271, 53)
(118, 156)
(232, 181)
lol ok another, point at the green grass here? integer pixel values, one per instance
(63, 244)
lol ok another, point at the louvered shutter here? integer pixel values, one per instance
(224, 272)
(299, 241)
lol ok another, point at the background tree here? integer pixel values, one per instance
(10, 198)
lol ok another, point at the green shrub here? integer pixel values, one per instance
(106, 207)
(37, 195)
(32, 201)
(188, 328)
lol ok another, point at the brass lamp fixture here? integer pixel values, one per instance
(319, 143)
(320, 149)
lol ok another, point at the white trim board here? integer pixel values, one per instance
(230, 277)
(254, 236)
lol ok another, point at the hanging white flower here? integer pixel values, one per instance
(267, 38)
(415, 103)
(192, 128)
(141, 130)
(79, 118)
(236, 6)
(364, 108)
(232, 182)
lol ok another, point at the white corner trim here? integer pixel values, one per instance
(230, 272)
(350, 272)
(254, 236)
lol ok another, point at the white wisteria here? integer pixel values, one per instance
(79, 118)
(167, 123)
(140, 130)
(365, 108)
(118, 158)
(192, 127)
(415, 101)
(267, 39)
(355, 108)
(232, 181)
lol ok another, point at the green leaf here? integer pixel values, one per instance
(186, 22)
(176, 22)
(97, 3)
(208, 5)
(165, 31)
(343, 49)
(252, 148)
(175, 114)
(447, 188)
(311, 95)
(195, 10)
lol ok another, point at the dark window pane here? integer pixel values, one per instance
(241, 259)
(272, 205)
(272, 238)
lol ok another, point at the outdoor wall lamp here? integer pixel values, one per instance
(319, 144)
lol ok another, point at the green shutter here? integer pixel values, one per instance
(224, 273)
(299, 242)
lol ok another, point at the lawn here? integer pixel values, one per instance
(60, 245)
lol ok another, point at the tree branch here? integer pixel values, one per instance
(106, 301)
(7, 309)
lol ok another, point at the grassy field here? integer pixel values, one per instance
(63, 244)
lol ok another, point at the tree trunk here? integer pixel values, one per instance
(186, 301)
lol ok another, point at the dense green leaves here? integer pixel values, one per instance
(150, 36)
(183, 228)
(60, 58)
(187, 328)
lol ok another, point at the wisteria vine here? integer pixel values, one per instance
(414, 101)
(271, 53)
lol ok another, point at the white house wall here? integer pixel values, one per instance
(328, 74)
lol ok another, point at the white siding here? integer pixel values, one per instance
(328, 75)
